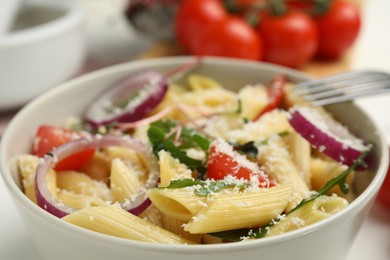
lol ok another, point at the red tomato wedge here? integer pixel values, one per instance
(224, 161)
(49, 137)
(275, 94)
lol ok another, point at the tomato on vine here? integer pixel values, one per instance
(338, 29)
(195, 15)
(229, 37)
(290, 39)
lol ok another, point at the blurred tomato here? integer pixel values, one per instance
(290, 39)
(195, 15)
(384, 192)
(229, 37)
(338, 29)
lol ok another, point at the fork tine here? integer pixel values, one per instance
(318, 85)
(347, 89)
(349, 97)
(343, 87)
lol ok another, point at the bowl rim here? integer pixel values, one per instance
(367, 195)
(71, 18)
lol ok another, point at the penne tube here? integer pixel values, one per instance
(130, 157)
(152, 215)
(271, 123)
(181, 204)
(79, 201)
(27, 166)
(253, 100)
(98, 167)
(124, 182)
(240, 210)
(171, 168)
(176, 226)
(199, 82)
(300, 151)
(276, 159)
(114, 221)
(312, 212)
(323, 170)
(80, 183)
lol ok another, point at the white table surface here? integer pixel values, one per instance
(373, 240)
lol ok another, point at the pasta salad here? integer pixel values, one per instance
(193, 163)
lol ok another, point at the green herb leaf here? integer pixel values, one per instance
(163, 137)
(182, 183)
(205, 187)
(248, 148)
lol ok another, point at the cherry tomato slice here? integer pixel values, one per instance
(276, 92)
(221, 164)
(49, 137)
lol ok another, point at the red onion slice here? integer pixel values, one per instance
(139, 94)
(136, 205)
(326, 135)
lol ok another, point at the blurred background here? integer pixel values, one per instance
(316, 36)
(46, 42)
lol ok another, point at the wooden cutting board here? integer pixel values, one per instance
(314, 68)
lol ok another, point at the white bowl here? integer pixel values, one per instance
(328, 239)
(45, 48)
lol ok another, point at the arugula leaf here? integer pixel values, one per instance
(162, 136)
(205, 187)
(182, 183)
(179, 154)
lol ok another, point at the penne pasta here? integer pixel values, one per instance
(176, 226)
(199, 82)
(114, 221)
(98, 167)
(323, 170)
(171, 169)
(253, 100)
(271, 123)
(79, 201)
(124, 182)
(27, 166)
(300, 151)
(240, 210)
(80, 183)
(279, 165)
(314, 211)
(181, 204)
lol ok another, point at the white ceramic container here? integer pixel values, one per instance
(45, 48)
(56, 239)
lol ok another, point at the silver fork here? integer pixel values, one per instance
(343, 87)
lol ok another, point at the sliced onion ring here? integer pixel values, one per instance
(326, 134)
(146, 89)
(135, 205)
